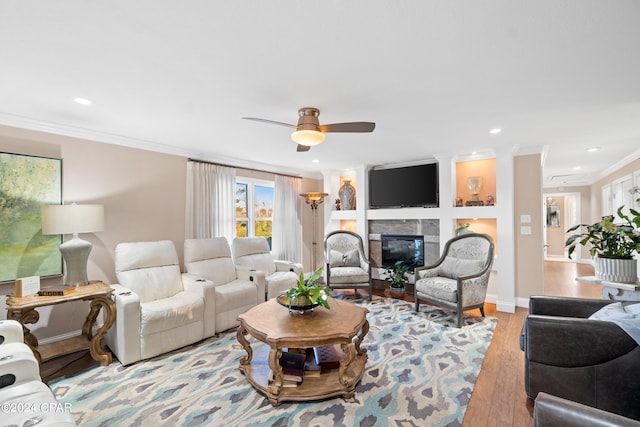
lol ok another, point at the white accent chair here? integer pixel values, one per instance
(253, 253)
(460, 278)
(347, 265)
(25, 398)
(159, 309)
(236, 290)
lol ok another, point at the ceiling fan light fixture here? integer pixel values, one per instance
(308, 137)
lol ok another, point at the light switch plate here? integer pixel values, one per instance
(525, 219)
(525, 229)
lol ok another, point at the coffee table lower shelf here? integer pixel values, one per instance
(327, 385)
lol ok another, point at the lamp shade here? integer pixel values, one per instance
(72, 219)
(308, 137)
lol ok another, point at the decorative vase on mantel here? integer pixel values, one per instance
(347, 195)
(620, 270)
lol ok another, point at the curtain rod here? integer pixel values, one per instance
(241, 167)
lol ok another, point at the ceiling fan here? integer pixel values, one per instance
(310, 132)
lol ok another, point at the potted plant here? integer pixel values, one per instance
(612, 244)
(396, 276)
(307, 294)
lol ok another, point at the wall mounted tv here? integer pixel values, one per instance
(408, 186)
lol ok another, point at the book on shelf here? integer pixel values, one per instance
(328, 357)
(56, 291)
(292, 366)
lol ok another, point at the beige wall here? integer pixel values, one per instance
(529, 263)
(143, 193)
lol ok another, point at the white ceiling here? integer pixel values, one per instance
(177, 76)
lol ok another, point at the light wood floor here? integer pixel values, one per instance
(498, 398)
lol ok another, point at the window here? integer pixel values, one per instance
(254, 208)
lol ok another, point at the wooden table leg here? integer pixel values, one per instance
(240, 336)
(108, 307)
(273, 389)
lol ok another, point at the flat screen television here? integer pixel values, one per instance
(401, 247)
(409, 186)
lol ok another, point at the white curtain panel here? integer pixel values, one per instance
(287, 219)
(210, 201)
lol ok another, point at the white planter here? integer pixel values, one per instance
(617, 270)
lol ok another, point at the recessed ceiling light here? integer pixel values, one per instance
(577, 168)
(495, 131)
(592, 149)
(315, 161)
(82, 101)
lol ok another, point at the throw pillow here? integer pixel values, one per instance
(453, 267)
(348, 259)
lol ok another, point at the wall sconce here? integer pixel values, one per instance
(73, 219)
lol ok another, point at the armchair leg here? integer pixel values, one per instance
(417, 306)
(482, 311)
(460, 312)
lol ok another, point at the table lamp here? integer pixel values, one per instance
(73, 219)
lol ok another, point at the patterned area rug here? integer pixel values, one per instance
(421, 371)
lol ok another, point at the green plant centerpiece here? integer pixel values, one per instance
(307, 294)
(613, 245)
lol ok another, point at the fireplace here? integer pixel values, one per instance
(402, 247)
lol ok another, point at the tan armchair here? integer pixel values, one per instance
(460, 278)
(347, 265)
(235, 290)
(253, 253)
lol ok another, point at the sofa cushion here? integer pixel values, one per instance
(169, 313)
(441, 288)
(348, 275)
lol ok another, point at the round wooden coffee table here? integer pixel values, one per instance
(272, 324)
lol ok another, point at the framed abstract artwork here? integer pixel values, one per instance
(26, 184)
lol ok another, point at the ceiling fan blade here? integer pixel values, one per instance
(302, 148)
(270, 121)
(348, 127)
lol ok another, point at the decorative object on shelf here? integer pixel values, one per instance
(396, 276)
(307, 294)
(458, 202)
(491, 201)
(338, 205)
(347, 195)
(613, 245)
(474, 184)
(313, 200)
(73, 219)
(463, 229)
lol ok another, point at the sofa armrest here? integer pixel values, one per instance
(282, 265)
(565, 307)
(571, 342)
(10, 331)
(426, 271)
(123, 338)
(17, 365)
(552, 411)
(257, 278)
(206, 289)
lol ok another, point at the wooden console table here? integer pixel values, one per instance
(615, 290)
(272, 324)
(23, 309)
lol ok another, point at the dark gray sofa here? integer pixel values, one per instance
(587, 361)
(553, 411)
